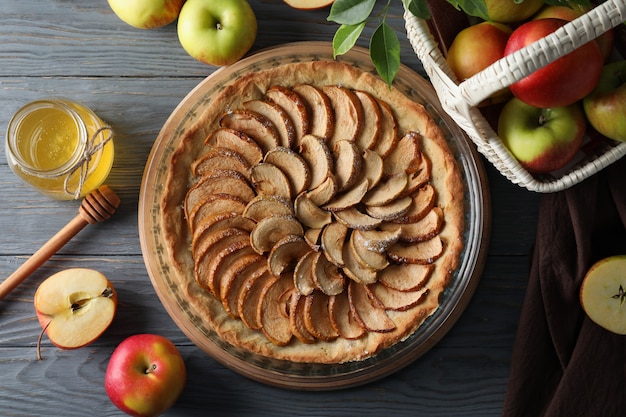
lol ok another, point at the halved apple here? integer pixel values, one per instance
(603, 293)
(309, 4)
(75, 306)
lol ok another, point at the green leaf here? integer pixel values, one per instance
(350, 12)
(345, 38)
(419, 8)
(385, 52)
(476, 8)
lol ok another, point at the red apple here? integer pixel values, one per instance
(605, 106)
(572, 12)
(145, 376)
(75, 306)
(542, 140)
(562, 82)
(475, 48)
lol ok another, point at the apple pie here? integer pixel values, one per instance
(313, 214)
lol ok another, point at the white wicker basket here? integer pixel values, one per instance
(460, 99)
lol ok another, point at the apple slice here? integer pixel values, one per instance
(293, 165)
(303, 273)
(392, 210)
(297, 310)
(368, 137)
(327, 276)
(234, 276)
(309, 4)
(367, 258)
(348, 164)
(313, 237)
(370, 313)
(378, 240)
(216, 223)
(372, 168)
(388, 136)
(256, 126)
(286, 253)
(423, 201)
(419, 178)
(317, 316)
(219, 159)
(221, 182)
(293, 105)
(397, 300)
(603, 293)
(342, 317)
(405, 157)
(348, 113)
(268, 179)
(426, 228)
(263, 206)
(215, 204)
(425, 252)
(318, 157)
(356, 270)
(319, 108)
(405, 277)
(355, 219)
(275, 311)
(278, 116)
(324, 192)
(333, 239)
(386, 191)
(350, 198)
(272, 229)
(309, 213)
(249, 300)
(75, 306)
(236, 141)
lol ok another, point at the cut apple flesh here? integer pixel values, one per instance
(75, 306)
(603, 293)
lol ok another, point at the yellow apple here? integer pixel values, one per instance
(309, 4)
(75, 306)
(146, 14)
(603, 293)
(511, 11)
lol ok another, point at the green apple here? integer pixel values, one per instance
(217, 32)
(75, 306)
(475, 48)
(512, 11)
(572, 12)
(147, 14)
(603, 293)
(542, 139)
(605, 106)
(145, 375)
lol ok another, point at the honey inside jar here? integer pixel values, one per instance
(59, 147)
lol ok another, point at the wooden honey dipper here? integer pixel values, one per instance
(96, 207)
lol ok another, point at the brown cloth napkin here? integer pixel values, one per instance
(563, 364)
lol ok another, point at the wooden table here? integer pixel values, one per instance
(134, 79)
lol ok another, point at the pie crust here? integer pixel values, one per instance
(387, 308)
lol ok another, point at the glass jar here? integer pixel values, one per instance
(60, 147)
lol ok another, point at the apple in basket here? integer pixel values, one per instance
(605, 107)
(75, 306)
(562, 82)
(603, 293)
(147, 14)
(217, 32)
(510, 11)
(542, 139)
(475, 48)
(309, 4)
(572, 12)
(145, 375)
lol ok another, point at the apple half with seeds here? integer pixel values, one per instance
(75, 306)
(603, 293)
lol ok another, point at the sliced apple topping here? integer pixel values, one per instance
(235, 275)
(368, 137)
(396, 300)
(423, 201)
(222, 182)
(238, 142)
(388, 135)
(293, 165)
(405, 157)
(348, 113)
(286, 253)
(425, 252)
(309, 213)
(268, 179)
(343, 317)
(370, 313)
(249, 302)
(263, 206)
(303, 278)
(353, 218)
(317, 316)
(355, 270)
(219, 159)
(372, 168)
(293, 105)
(272, 229)
(275, 311)
(334, 236)
(313, 238)
(213, 205)
(278, 116)
(319, 109)
(217, 223)
(386, 191)
(348, 163)
(348, 199)
(367, 258)
(258, 127)
(318, 157)
(391, 211)
(327, 276)
(405, 277)
(378, 240)
(297, 311)
(426, 228)
(324, 192)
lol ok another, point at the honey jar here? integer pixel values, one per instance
(60, 147)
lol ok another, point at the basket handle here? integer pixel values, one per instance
(529, 59)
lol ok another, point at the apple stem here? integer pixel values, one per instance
(151, 369)
(219, 26)
(43, 330)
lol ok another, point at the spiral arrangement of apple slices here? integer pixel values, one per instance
(312, 216)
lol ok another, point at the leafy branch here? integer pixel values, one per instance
(384, 46)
